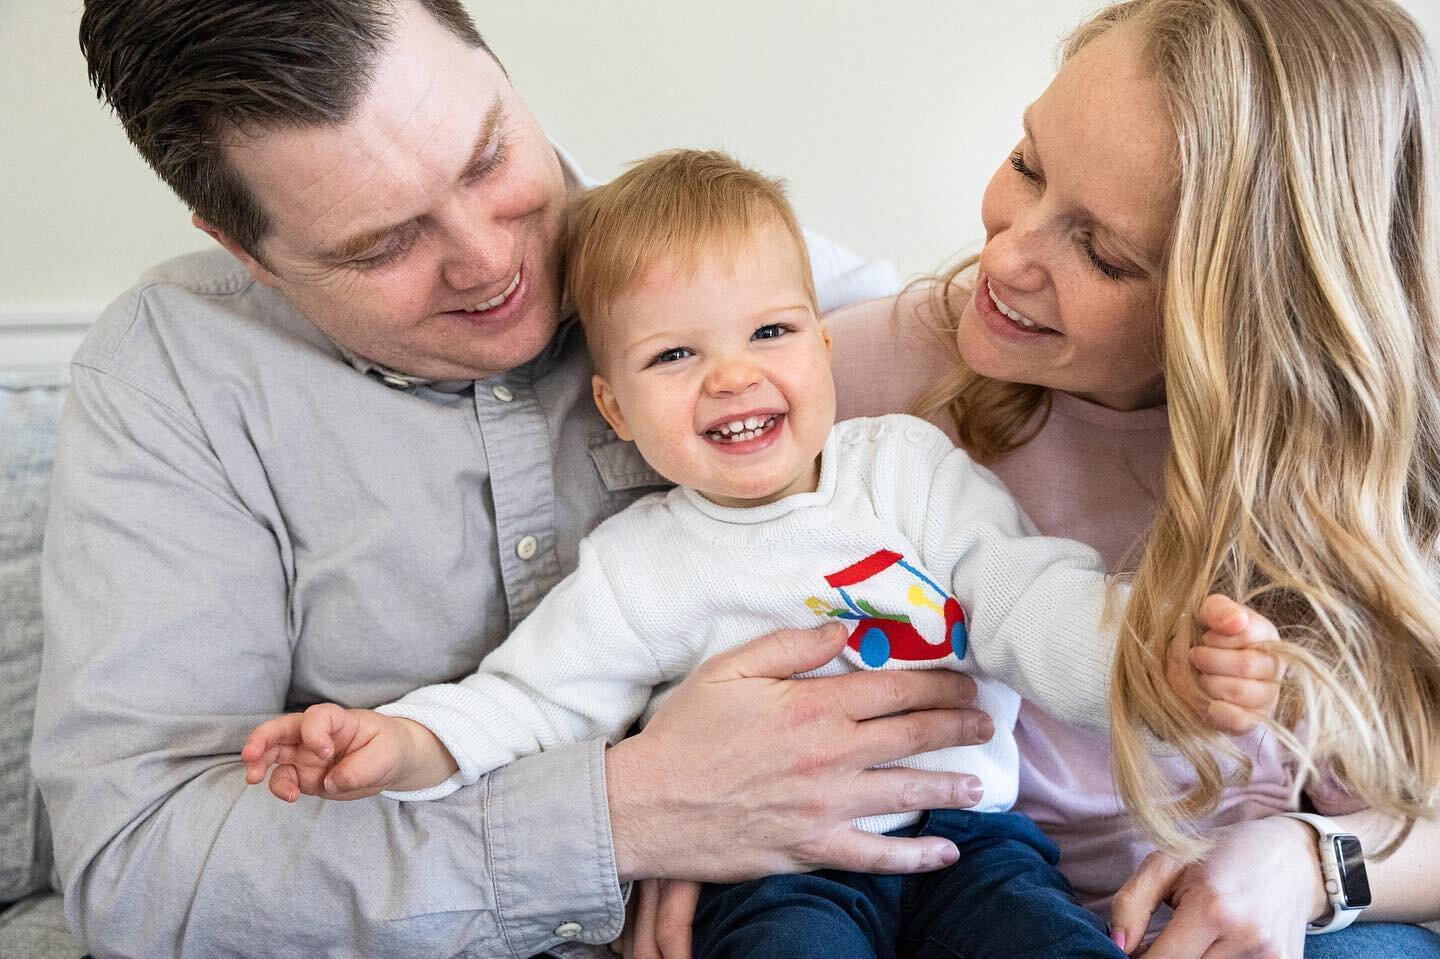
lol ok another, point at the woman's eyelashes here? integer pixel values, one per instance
(1017, 160)
(1107, 269)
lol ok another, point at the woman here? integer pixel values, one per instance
(1203, 336)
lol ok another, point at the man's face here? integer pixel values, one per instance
(424, 232)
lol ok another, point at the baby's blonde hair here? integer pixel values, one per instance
(676, 207)
(1301, 320)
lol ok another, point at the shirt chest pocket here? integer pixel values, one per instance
(624, 474)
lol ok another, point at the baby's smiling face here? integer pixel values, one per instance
(721, 373)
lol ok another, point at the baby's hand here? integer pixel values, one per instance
(1238, 685)
(338, 753)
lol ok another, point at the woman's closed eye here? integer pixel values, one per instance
(1106, 268)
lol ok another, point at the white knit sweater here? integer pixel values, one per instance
(901, 522)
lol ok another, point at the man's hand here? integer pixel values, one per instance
(1236, 685)
(338, 753)
(745, 772)
(1249, 898)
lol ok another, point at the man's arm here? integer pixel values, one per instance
(170, 635)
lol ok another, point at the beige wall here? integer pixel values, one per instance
(887, 119)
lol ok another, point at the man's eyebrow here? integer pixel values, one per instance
(488, 130)
(354, 246)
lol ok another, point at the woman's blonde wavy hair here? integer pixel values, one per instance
(1301, 319)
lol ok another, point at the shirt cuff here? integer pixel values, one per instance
(552, 856)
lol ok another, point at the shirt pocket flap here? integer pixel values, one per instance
(620, 465)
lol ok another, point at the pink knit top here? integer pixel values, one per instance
(1093, 474)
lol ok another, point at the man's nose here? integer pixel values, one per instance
(479, 254)
(731, 375)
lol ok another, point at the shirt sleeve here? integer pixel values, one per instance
(168, 639)
(1036, 605)
(573, 670)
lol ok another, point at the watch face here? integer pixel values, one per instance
(1351, 862)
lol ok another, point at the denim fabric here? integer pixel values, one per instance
(1375, 940)
(1003, 898)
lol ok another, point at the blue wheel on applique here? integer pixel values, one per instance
(874, 648)
(959, 639)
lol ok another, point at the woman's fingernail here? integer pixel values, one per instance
(1117, 936)
(949, 856)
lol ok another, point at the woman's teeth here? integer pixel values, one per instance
(495, 301)
(738, 431)
(1015, 315)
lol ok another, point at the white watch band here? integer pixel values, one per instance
(1340, 916)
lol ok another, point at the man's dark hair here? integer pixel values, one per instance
(183, 75)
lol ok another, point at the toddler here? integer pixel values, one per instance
(691, 277)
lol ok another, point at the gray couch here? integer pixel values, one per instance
(32, 925)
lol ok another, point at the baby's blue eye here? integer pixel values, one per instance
(671, 356)
(770, 332)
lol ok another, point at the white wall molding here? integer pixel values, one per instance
(29, 340)
(45, 321)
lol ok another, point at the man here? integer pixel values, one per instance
(342, 461)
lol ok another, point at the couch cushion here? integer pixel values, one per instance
(35, 928)
(29, 409)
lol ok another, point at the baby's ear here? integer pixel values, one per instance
(825, 332)
(609, 408)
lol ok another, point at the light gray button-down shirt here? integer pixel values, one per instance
(243, 523)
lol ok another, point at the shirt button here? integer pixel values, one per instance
(569, 930)
(526, 547)
(502, 393)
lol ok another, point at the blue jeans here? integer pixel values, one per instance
(1003, 898)
(1375, 940)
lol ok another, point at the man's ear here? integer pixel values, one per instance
(605, 401)
(258, 270)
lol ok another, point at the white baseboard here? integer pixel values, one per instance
(29, 340)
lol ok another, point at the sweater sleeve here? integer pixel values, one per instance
(1036, 605)
(573, 670)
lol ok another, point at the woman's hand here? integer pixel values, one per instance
(1249, 898)
(661, 914)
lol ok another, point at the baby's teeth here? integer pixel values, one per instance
(752, 422)
(735, 426)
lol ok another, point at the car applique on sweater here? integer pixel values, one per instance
(880, 636)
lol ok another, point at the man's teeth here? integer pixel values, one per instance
(1013, 314)
(738, 431)
(495, 301)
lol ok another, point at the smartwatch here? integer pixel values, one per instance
(1342, 866)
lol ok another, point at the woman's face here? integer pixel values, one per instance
(1076, 221)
